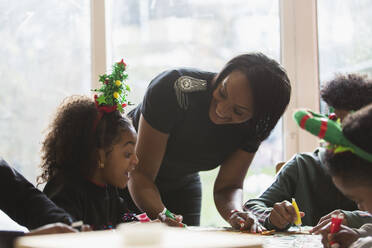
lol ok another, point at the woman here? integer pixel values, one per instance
(191, 121)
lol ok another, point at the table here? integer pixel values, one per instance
(280, 239)
(159, 236)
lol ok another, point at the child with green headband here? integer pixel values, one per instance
(89, 153)
(305, 175)
(349, 161)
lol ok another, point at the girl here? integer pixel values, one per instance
(88, 155)
(349, 161)
(192, 120)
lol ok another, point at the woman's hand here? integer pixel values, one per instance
(245, 221)
(283, 214)
(175, 222)
(327, 219)
(345, 237)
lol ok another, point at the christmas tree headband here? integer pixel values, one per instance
(329, 130)
(112, 96)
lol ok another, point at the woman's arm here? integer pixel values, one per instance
(228, 191)
(228, 187)
(150, 149)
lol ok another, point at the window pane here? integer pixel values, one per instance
(45, 48)
(154, 36)
(344, 37)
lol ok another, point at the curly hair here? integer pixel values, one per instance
(347, 92)
(350, 167)
(70, 148)
(270, 85)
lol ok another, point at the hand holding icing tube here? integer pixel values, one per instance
(170, 215)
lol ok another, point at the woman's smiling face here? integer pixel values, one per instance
(232, 101)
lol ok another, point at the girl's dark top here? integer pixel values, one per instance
(99, 206)
(24, 203)
(195, 143)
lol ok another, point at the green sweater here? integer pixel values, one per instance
(304, 178)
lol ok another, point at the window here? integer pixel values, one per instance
(47, 56)
(45, 48)
(157, 35)
(344, 38)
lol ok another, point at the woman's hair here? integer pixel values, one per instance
(347, 92)
(70, 148)
(357, 128)
(270, 86)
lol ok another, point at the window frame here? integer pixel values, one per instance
(299, 55)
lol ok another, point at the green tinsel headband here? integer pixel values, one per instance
(329, 130)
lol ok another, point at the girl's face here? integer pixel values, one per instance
(361, 194)
(120, 161)
(232, 100)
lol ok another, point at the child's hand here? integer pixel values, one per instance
(245, 221)
(52, 229)
(345, 237)
(177, 222)
(327, 219)
(283, 214)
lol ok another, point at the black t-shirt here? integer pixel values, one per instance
(24, 203)
(195, 143)
(99, 206)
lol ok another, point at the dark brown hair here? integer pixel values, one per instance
(70, 148)
(347, 92)
(270, 86)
